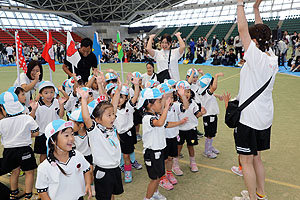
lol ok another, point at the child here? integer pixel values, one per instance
(48, 109)
(16, 130)
(187, 107)
(63, 175)
(207, 86)
(124, 125)
(105, 145)
(171, 151)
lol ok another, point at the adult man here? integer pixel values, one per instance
(88, 60)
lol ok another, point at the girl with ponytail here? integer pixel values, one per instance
(62, 166)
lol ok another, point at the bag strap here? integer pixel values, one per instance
(255, 95)
(169, 59)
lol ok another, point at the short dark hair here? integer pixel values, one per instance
(46, 88)
(31, 65)
(18, 90)
(150, 63)
(86, 42)
(100, 108)
(262, 33)
(167, 37)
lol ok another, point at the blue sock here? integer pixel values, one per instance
(132, 157)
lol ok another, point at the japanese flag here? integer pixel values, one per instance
(73, 55)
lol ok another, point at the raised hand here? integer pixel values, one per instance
(220, 74)
(168, 103)
(178, 34)
(226, 97)
(257, 4)
(83, 94)
(152, 36)
(33, 105)
(181, 91)
(37, 76)
(62, 100)
(200, 71)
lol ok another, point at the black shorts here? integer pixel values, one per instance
(210, 125)
(137, 117)
(89, 158)
(190, 136)
(155, 163)
(108, 182)
(127, 142)
(171, 148)
(18, 157)
(249, 141)
(40, 145)
(133, 132)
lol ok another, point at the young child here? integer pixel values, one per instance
(16, 130)
(64, 174)
(124, 125)
(187, 107)
(48, 109)
(171, 151)
(105, 145)
(207, 86)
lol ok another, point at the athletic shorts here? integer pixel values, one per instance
(127, 142)
(40, 144)
(108, 182)
(137, 117)
(249, 141)
(190, 136)
(22, 157)
(210, 125)
(155, 163)
(171, 148)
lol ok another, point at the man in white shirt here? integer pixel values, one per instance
(10, 51)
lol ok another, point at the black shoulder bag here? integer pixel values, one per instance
(233, 111)
(161, 76)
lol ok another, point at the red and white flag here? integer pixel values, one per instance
(73, 55)
(48, 52)
(19, 52)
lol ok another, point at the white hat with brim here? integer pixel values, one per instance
(44, 84)
(149, 93)
(204, 82)
(164, 88)
(11, 103)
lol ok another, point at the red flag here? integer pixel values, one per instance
(22, 62)
(48, 52)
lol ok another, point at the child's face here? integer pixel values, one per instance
(195, 78)
(22, 97)
(187, 93)
(108, 118)
(157, 106)
(95, 86)
(77, 126)
(48, 94)
(122, 100)
(65, 139)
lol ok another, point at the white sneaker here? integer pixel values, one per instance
(237, 170)
(214, 150)
(209, 154)
(241, 198)
(245, 193)
(158, 196)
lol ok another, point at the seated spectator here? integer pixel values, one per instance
(296, 65)
(189, 55)
(231, 58)
(216, 58)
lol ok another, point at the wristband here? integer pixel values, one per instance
(240, 3)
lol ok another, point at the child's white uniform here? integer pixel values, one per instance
(72, 103)
(59, 186)
(194, 88)
(124, 120)
(82, 144)
(209, 102)
(105, 146)
(172, 116)
(95, 93)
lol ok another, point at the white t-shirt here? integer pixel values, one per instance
(95, 93)
(58, 186)
(124, 120)
(25, 80)
(209, 102)
(190, 113)
(46, 114)
(194, 88)
(82, 144)
(162, 57)
(259, 67)
(147, 78)
(10, 51)
(72, 103)
(16, 131)
(153, 137)
(105, 146)
(172, 116)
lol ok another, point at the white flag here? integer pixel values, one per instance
(73, 55)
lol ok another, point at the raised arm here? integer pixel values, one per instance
(100, 82)
(215, 82)
(185, 101)
(258, 19)
(190, 80)
(243, 25)
(149, 45)
(135, 82)
(181, 42)
(161, 121)
(84, 108)
(116, 98)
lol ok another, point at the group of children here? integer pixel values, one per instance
(86, 154)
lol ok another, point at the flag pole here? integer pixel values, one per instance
(17, 53)
(100, 50)
(48, 63)
(121, 60)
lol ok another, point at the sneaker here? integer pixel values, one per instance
(171, 178)
(241, 198)
(194, 167)
(209, 154)
(214, 150)
(136, 165)
(128, 176)
(165, 183)
(122, 168)
(245, 193)
(19, 195)
(138, 137)
(158, 196)
(237, 170)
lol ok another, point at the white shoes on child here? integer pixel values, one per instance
(236, 170)
(158, 196)
(209, 154)
(245, 196)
